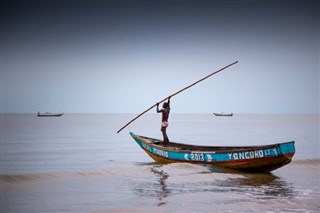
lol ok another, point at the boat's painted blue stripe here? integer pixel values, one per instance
(287, 148)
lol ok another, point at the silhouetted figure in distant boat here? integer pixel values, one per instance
(165, 116)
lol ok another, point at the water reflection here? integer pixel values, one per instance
(158, 189)
(224, 187)
(162, 177)
(261, 186)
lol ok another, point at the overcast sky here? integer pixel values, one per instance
(124, 56)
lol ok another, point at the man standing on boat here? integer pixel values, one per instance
(165, 116)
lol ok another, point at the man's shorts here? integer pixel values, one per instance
(164, 124)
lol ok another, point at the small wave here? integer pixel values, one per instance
(175, 171)
(19, 177)
(142, 171)
(311, 162)
(16, 178)
(118, 172)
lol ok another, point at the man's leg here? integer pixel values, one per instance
(165, 137)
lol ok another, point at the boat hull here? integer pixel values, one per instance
(249, 159)
(50, 115)
(221, 114)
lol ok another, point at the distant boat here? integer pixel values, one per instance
(48, 114)
(222, 114)
(263, 158)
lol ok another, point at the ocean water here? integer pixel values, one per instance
(78, 163)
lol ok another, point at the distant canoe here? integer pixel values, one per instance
(222, 114)
(263, 158)
(49, 114)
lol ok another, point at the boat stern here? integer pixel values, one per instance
(288, 149)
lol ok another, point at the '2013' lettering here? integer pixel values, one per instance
(197, 157)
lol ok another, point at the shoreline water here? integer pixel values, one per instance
(166, 188)
(78, 163)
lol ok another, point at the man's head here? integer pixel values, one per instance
(165, 105)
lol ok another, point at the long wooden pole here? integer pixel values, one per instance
(176, 93)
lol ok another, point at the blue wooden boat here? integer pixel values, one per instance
(264, 158)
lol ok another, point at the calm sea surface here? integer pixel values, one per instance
(78, 163)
